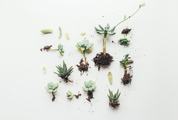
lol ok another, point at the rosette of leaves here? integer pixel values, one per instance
(104, 59)
(89, 87)
(125, 63)
(52, 89)
(125, 41)
(63, 72)
(85, 47)
(114, 98)
(70, 95)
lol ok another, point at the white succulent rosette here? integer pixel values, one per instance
(89, 86)
(52, 87)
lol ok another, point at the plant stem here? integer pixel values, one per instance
(104, 44)
(53, 96)
(53, 50)
(134, 13)
(84, 57)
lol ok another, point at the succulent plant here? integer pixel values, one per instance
(126, 61)
(52, 89)
(70, 95)
(114, 98)
(105, 31)
(64, 72)
(104, 59)
(89, 87)
(85, 48)
(60, 49)
(124, 42)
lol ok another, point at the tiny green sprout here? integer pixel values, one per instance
(114, 98)
(69, 95)
(64, 72)
(89, 87)
(52, 89)
(46, 31)
(126, 61)
(124, 42)
(85, 47)
(60, 49)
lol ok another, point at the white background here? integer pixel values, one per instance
(153, 92)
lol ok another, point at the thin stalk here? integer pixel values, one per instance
(104, 44)
(134, 13)
(84, 56)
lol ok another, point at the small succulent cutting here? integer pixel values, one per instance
(104, 59)
(70, 95)
(52, 89)
(89, 87)
(60, 49)
(63, 72)
(125, 63)
(85, 47)
(125, 41)
(114, 98)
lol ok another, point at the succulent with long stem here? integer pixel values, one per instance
(85, 48)
(64, 72)
(104, 59)
(89, 87)
(52, 89)
(114, 98)
(126, 64)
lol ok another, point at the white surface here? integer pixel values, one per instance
(153, 93)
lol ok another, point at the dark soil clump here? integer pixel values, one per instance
(127, 78)
(103, 60)
(114, 105)
(83, 66)
(90, 96)
(46, 48)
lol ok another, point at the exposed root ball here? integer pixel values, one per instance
(90, 96)
(83, 66)
(127, 78)
(102, 60)
(114, 105)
